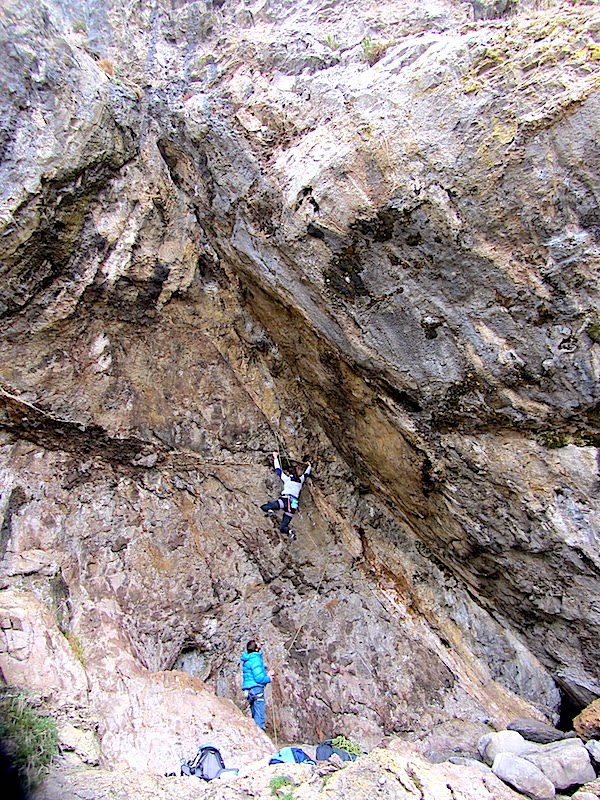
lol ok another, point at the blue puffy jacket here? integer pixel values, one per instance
(253, 670)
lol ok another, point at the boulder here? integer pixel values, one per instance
(492, 744)
(80, 741)
(587, 723)
(584, 795)
(593, 748)
(591, 791)
(524, 776)
(535, 731)
(565, 763)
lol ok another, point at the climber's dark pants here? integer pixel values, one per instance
(279, 505)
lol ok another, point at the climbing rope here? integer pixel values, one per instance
(274, 715)
(305, 618)
(282, 452)
(286, 651)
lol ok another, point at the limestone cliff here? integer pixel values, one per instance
(360, 233)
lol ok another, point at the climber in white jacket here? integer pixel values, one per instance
(288, 500)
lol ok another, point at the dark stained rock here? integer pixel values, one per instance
(536, 731)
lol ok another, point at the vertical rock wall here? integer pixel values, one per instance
(363, 237)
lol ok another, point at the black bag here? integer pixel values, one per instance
(207, 764)
(325, 749)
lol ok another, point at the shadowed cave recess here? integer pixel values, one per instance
(222, 236)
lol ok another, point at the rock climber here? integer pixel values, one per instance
(288, 500)
(254, 679)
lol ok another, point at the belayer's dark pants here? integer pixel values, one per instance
(279, 505)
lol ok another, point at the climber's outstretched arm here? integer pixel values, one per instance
(277, 465)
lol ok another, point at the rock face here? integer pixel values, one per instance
(365, 237)
(144, 720)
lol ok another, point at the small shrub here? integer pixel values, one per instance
(31, 740)
(79, 26)
(278, 782)
(372, 51)
(332, 43)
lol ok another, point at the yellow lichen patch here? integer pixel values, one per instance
(535, 45)
(471, 84)
(158, 560)
(504, 132)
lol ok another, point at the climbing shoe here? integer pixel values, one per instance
(291, 535)
(270, 513)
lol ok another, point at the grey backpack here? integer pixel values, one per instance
(207, 764)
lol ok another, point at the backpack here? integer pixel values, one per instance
(207, 764)
(326, 749)
(290, 755)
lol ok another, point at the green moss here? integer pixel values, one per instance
(581, 438)
(555, 439)
(30, 739)
(471, 84)
(76, 647)
(593, 331)
(590, 439)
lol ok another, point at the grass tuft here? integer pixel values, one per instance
(107, 66)
(373, 51)
(277, 784)
(31, 740)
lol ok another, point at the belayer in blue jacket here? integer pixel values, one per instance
(290, 494)
(254, 679)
